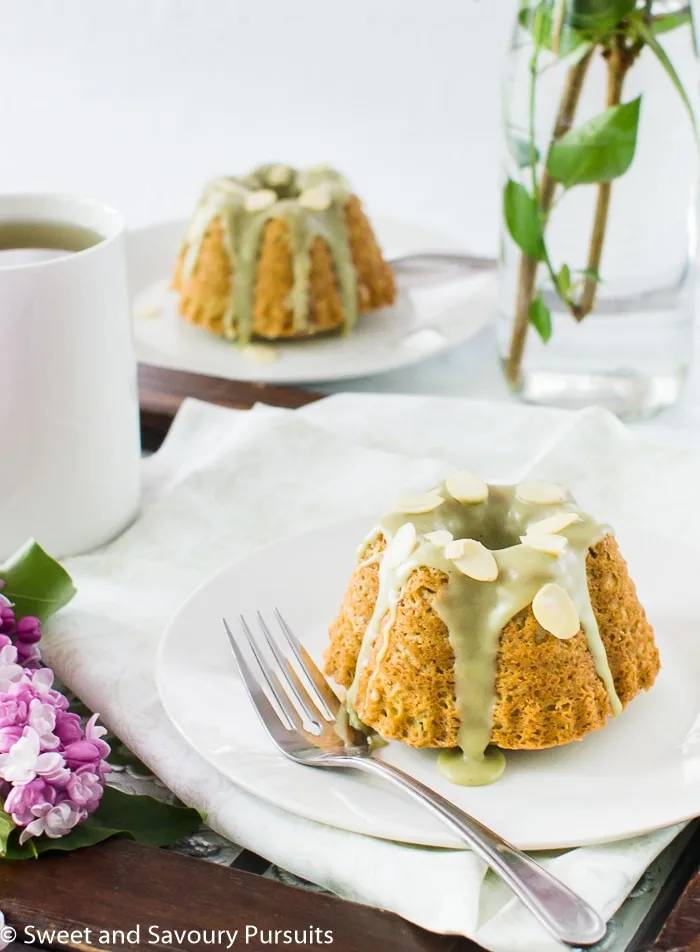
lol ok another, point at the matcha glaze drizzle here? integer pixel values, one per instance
(311, 202)
(475, 612)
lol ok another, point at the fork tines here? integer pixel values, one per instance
(314, 700)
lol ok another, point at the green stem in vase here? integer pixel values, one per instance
(595, 153)
(545, 197)
(619, 61)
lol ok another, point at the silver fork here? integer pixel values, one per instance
(564, 914)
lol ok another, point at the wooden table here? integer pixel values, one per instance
(147, 892)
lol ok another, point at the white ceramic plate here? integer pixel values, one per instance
(640, 773)
(424, 322)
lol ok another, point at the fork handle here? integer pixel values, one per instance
(564, 914)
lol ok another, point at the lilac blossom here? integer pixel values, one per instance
(54, 821)
(52, 771)
(23, 798)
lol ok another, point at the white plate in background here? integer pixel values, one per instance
(425, 321)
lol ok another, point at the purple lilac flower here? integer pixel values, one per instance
(7, 616)
(52, 772)
(28, 630)
(53, 820)
(85, 788)
(8, 737)
(22, 799)
(26, 636)
(25, 760)
(67, 729)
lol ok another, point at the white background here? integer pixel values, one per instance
(139, 101)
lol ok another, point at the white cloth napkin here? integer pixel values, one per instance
(227, 482)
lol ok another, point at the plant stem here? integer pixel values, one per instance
(547, 187)
(618, 63)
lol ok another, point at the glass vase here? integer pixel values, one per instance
(598, 251)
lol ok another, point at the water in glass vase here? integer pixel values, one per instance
(597, 276)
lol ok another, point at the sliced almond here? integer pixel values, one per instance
(317, 198)
(540, 493)
(556, 523)
(417, 503)
(401, 546)
(439, 537)
(260, 200)
(456, 548)
(466, 487)
(229, 186)
(545, 542)
(279, 174)
(555, 612)
(477, 561)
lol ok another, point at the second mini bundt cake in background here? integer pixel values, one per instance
(481, 615)
(280, 253)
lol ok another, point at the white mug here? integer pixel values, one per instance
(69, 423)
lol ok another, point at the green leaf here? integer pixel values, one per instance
(522, 151)
(6, 828)
(646, 34)
(547, 34)
(598, 16)
(590, 273)
(522, 220)
(120, 814)
(540, 317)
(597, 151)
(539, 22)
(670, 21)
(564, 280)
(35, 582)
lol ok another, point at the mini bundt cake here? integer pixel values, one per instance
(489, 615)
(280, 253)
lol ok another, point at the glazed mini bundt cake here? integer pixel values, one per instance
(278, 254)
(489, 615)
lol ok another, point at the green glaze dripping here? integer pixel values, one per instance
(476, 612)
(229, 199)
(472, 770)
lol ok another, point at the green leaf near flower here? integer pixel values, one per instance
(35, 583)
(523, 220)
(7, 826)
(600, 150)
(120, 814)
(540, 317)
